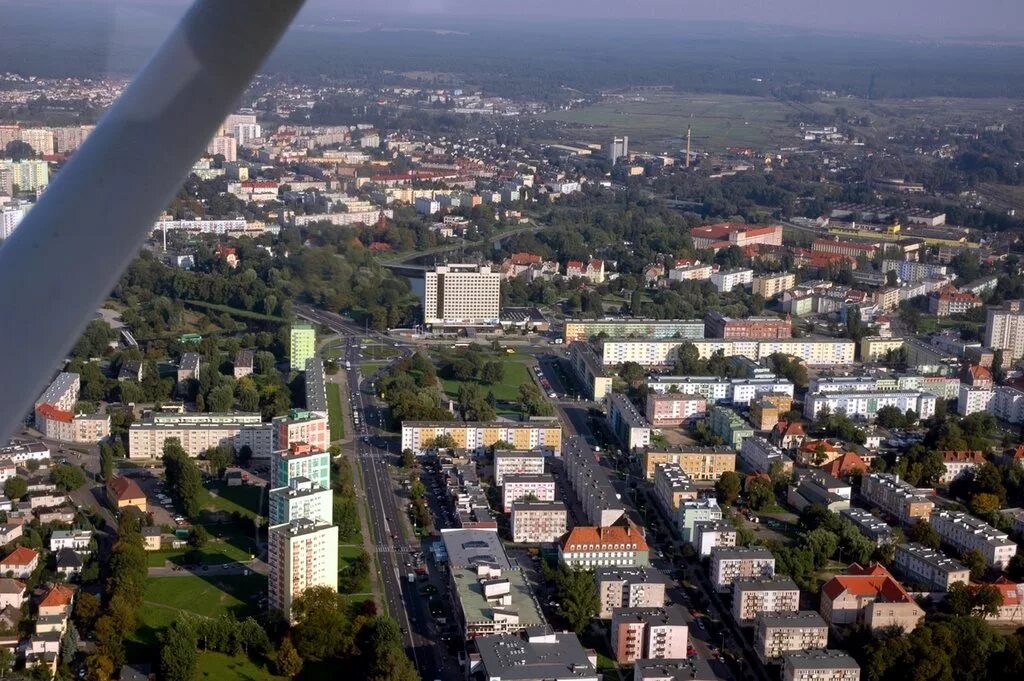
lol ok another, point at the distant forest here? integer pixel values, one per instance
(538, 59)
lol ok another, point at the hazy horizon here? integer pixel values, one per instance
(893, 18)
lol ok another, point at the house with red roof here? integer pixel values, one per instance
(19, 563)
(124, 492)
(959, 464)
(845, 465)
(870, 596)
(613, 546)
(817, 452)
(788, 435)
(57, 601)
(977, 376)
(592, 271)
(1012, 609)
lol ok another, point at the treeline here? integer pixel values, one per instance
(410, 390)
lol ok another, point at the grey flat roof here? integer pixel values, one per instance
(58, 387)
(776, 583)
(819, 659)
(645, 575)
(551, 656)
(675, 669)
(804, 618)
(472, 547)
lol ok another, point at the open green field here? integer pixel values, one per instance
(241, 499)
(658, 121)
(516, 373)
(167, 598)
(334, 414)
(217, 666)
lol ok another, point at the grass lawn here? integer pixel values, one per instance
(375, 351)
(516, 373)
(242, 499)
(217, 666)
(166, 598)
(334, 411)
(347, 553)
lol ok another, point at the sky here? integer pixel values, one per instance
(898, 18)
(929, 18)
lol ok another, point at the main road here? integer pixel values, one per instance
(389, 531)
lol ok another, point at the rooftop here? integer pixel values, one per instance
(741, 553)
(670, 615)
(935, 559)
(125, 489)
(873, 581)
(548, 656)
(777, 583)
(470, 548)
(645, 575)
(695, 669)
(795, 620)
(818, 659)
(582, 536)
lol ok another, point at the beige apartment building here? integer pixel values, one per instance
(779, 633)
(301, 554)
(738, 562)
(526, 488)
(516, 462)
(649, 633)
(870, 596)
(895, 496)
(538, 522)
(478, 436)
(819, 665)
(1004, 329)
(672, 487)
(629, 588)
(752, 596)
(771, 285)
(461, 294)
(698, 463)
(199, 432)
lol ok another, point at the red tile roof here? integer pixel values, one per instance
(582, 536)
(873, 581)
(51, 412)
(950, 456)
(58, 596)
(125, 489)
(846, 464)
(20, 556)
(980, 373)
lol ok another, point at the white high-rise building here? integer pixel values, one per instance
(9, 219)
(1004, 329)
(301, 499)
(246, 132)
(225, 145)
(619, 148)
(461, 294)
(302, 554)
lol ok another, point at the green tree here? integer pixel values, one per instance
(198, 537)
(288, 661)
(408, 458)
(247, 395)
(923, 533)
(822, 544)
(178, 656)
(67, 477)
(346, 517)
(760, 493)
(958, 601)
(580, 600)
(975, 562)
(15, 488)
(184, 480)
(86, 610)
(106, 462)
(632, 373)
(322, 628)
(6, 661)
(221, 398)
(220, 458)
(492, 373)
(728, 487)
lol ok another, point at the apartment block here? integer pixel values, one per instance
(725, 234)
(732, 428)
(693, 512)
(621, 545)
(629, 588)
(199, 432)
(1004, 329)
(770, 285)
(758, 454)
(538, 522)
(711, 534)
(301, 346)
(959, 464)
(875, 348)
(673, 409)
(681, 669)
(300, 461)
(589, 329)
(864, 405)
(478, 436)
(316, 388)
(871, 526)
(662, 352)
(188, 366)
(718, 390)
(752, 596)
(591, 483)
(301, 554)
(727, 280)
(589, 371)
(896, 497)
(717, 325)
(730, 564)
(778, 633)
(537, 654)
(461, 294)
(517, 462)
(672, 487)
(627, 422)
(697, 463)
(62, 392)
(526, 487)
(301, 426)
(966, 533)
(819, 665)
(649, 633)
(300, 499)
(933, 569)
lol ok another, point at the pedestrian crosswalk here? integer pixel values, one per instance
(388, 548)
